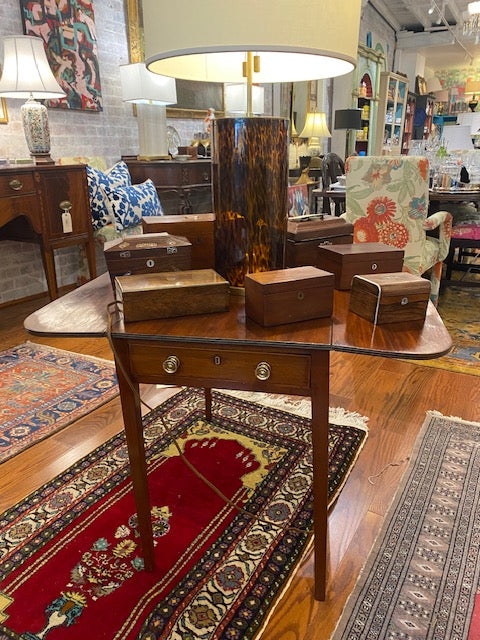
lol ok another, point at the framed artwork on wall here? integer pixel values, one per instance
(67, 29)
(3, 111)
(3, 107)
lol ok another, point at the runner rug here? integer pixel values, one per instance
(421, 579)
(70, 562)
(42, 390)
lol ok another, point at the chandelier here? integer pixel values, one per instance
(472, 23)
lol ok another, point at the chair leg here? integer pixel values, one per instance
(435, 278)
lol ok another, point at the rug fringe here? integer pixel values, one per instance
(436, 414)
(45, 347)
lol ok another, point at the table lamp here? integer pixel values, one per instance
(27, 74)
(349, 119)
(151, 93)
(235, 98)
(314, 129)
(472, 87)
(250, 42)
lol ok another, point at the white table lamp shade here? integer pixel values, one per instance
(301, 40)
(142, 86)
(26, 71)
(315, 126)
(236, 98)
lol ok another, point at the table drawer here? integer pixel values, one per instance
(213, 364)
(16, 184)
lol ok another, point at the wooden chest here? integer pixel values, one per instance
(347, 260)
(198, 228)
(288, 295)
(305, 236)
(148, 253)
(390, 297)
(166, 295)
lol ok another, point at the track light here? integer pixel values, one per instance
(431, 10)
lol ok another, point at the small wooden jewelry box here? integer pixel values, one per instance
(166, 295)
(347, 260)
(305, 236)
(198, 228)
(390, 297)
(288, 295)
(148, 253)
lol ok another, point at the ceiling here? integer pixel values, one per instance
(437, 35)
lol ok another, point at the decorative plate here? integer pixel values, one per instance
(173, 140)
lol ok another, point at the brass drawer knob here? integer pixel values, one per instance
(171, 364)
(15, 184)
(65, 205)
(263, 371)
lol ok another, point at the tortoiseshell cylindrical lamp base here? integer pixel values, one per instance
(250, 181)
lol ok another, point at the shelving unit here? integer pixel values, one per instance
(365, 97)
(391, 113)
(409, 117)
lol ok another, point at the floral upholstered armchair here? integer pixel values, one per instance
(387, 201)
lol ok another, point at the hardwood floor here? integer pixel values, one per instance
(394, 394)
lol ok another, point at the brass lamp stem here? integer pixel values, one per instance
(249, 66)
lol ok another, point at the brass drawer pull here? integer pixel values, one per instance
(171, 364)
(15, 184)
(374, 266)
(263, 371)
(66, 205)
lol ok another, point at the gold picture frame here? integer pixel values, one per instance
(188, 99)
(3, 107)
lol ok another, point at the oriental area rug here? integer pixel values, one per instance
(70, 557)
(42, 390)
(421, 579)
(458, 307)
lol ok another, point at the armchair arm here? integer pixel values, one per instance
(443, 221)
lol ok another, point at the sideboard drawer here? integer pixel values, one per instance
(16, 184)
(176, 364)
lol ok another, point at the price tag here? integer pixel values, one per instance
(67, 222)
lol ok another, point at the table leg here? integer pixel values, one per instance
(208, 403)
(136, 451)
(319, 424)
(48, 260)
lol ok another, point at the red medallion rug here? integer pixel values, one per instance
(43, 389)
(70, 561)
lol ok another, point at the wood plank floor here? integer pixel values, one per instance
(394, 394)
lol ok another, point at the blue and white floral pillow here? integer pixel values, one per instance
(128, 205)
(117, 176)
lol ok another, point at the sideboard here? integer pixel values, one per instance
(48, 205)
(183, 187)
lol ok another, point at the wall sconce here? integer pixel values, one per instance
(27, 74)
(150, 93)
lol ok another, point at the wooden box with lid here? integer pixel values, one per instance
(390, 297)
(288, 295)
(198, 228)
(305, 236)
(347, 260)
(148, 253)
(171, 294)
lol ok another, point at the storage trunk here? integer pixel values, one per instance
(198, 228)
(347, 260)
(165, 295)
(390, 297)
(149, 253)
(305, 236)
(288, 295)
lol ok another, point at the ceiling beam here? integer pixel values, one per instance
(382, 9)
(423, 19)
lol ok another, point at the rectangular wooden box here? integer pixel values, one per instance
(347, 260)
(288, 295)
(305, 236)
(170, 294)
(390, 297)
(198, 228)
(148, 253)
